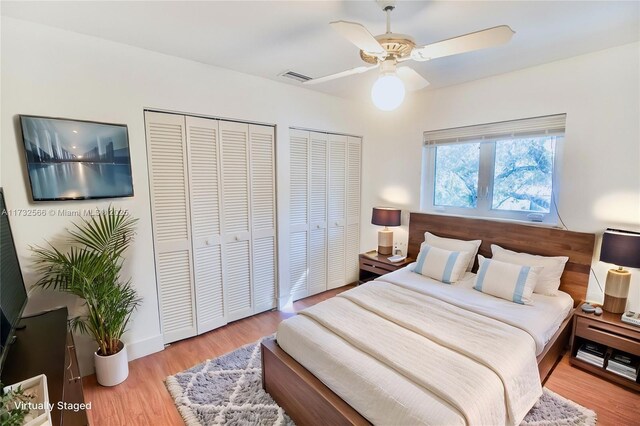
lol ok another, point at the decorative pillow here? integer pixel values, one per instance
(506, 280)
(552, 267)
(454, 245)
(442, 265)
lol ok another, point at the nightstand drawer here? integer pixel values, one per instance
(610, 335)
(376, 267)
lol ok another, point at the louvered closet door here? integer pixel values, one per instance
(318, 166)
(166, 141)
(204, 176)
(234, 144)
(336, 213)
(263, 216)
(353, 208)
(298, 213)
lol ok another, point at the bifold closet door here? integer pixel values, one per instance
(318, 166)
(336, 214)
(166, 139)
(204, 176)
(353, 208)
(299, 213)
(236, 235)
(263, 216)
(214, 220)
(324, 211)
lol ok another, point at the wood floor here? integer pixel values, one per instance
(143, 399)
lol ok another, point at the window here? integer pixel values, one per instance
(457, 168)
(502, 170)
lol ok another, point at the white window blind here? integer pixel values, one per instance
(547, 125)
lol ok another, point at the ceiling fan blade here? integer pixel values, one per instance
(411, 79)
(474, 41)
(357, 70)
(360, 36)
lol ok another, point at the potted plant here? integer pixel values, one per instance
(90, 269)
(26, 403)
(14, 406)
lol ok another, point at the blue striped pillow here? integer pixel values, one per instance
(506, 280)
(442, 265)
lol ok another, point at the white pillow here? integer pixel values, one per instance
(442, 265)
(454, 245)
(506, 280)
(549, 279)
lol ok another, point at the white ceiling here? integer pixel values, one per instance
(265, 38)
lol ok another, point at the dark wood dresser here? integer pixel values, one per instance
(45, 346)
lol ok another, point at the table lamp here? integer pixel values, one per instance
(385, 216)
(622, 248)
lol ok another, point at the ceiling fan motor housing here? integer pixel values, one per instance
(397, 45)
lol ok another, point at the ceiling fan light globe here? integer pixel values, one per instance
(388, 92)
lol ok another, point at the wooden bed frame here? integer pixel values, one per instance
(308, 401)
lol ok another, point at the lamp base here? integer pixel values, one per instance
(385, 242)
(616, 290)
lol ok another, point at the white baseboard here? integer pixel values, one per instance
(145, 347)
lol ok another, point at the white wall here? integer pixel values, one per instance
(50, 72)
(600, 182)
(391, 170)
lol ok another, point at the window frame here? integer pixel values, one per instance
(486, 171)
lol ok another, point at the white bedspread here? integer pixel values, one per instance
(404, 357)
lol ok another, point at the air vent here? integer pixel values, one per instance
(295, 76)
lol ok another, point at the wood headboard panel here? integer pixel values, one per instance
(543, 241)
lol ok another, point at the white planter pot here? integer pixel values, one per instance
(113, 369)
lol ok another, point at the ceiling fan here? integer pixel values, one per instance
(387, 51)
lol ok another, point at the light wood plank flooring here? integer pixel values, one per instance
(143, 399)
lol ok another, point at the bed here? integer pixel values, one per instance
(401, 349)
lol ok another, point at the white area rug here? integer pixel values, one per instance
(228, 391)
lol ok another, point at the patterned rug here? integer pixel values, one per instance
(228, 391)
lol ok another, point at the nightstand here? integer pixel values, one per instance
(610, 331)
(373, 265)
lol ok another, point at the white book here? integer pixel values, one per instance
(626, 375)
(588, 355)
(597, 361)
(620, 367)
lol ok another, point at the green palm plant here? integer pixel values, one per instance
(90, 269)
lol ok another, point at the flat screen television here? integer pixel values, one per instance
(75, 159)
(13, 295)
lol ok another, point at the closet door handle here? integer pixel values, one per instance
(237, 238)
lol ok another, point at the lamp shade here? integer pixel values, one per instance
(622, 248)
(385, 216)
